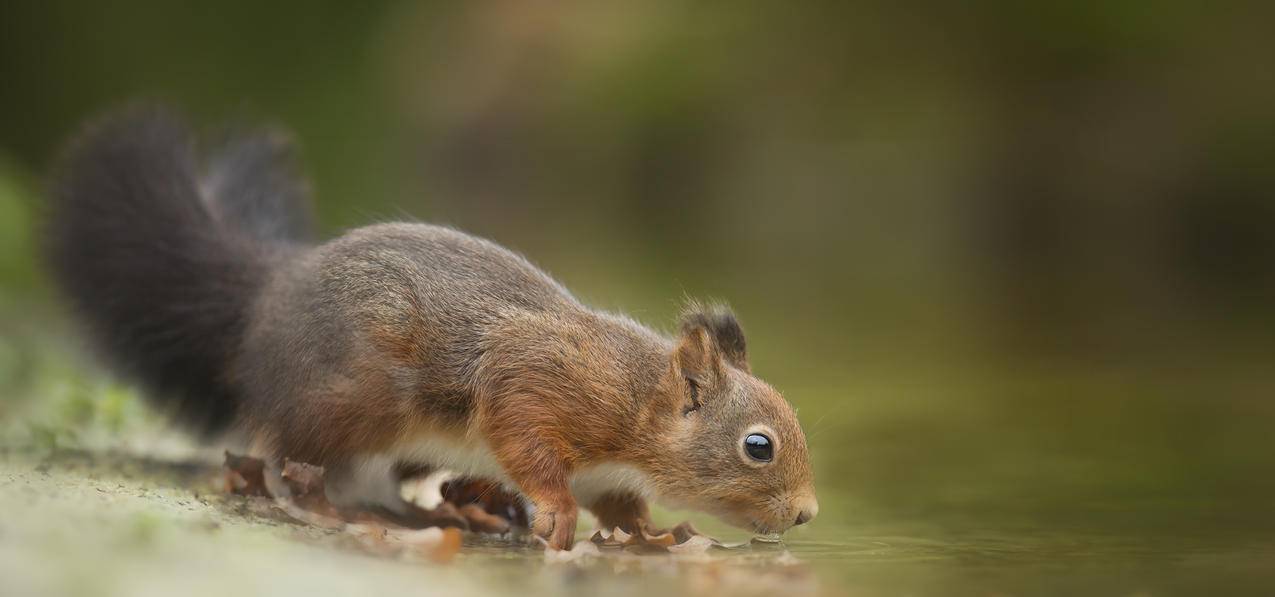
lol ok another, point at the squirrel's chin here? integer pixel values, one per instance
(769, 529)
(747, 521)
(751, 524)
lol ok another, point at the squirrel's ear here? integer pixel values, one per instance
(696, 357)
(724, 331)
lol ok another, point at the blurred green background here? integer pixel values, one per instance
(1013, 262)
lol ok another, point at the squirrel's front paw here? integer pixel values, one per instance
(556, 526)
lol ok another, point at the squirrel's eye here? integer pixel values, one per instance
(758, 447)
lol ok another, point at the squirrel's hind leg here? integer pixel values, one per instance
(366, 482)
(627, 511)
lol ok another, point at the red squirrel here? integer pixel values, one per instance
(402, 344)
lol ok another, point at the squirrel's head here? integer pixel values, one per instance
(738, 451)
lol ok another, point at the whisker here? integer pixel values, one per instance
(814, 430)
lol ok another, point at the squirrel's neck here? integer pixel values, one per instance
(639, 377)
(642, 355)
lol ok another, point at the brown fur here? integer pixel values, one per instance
(549, 385)
(391, 333)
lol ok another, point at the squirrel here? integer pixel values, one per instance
(401, 343)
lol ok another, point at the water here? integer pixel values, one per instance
(1044, 562)
(933, 482)
(925, 559)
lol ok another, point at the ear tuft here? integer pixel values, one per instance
(724, 329)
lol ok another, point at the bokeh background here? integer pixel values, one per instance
(1013, 262)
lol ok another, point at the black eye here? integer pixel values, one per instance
(758, 447)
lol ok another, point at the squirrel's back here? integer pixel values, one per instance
(410, 309)
(459, 270)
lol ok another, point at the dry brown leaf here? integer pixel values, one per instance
(683, 540)
(684, 531)
(302, 479)
(619, 536)
(663, 540)
(605, 540)
(244, 475)
(695, 544)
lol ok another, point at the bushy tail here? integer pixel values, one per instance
(161, 254)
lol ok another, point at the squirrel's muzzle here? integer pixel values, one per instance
(807, 509)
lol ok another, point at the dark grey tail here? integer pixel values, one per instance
(161, 254)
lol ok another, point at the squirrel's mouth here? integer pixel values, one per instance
(754, 518)
(759, 526)
(767, 530)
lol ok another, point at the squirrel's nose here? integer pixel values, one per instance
(808, 512)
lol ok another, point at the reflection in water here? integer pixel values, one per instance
(750, 568)
(974, 564)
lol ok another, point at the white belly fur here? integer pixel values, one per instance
(474, 458)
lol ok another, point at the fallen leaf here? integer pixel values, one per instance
(684, 531)
(663, 539)
(620, 536)
(244, 475)
(695, 544)
(302, 479)
(606, 540)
